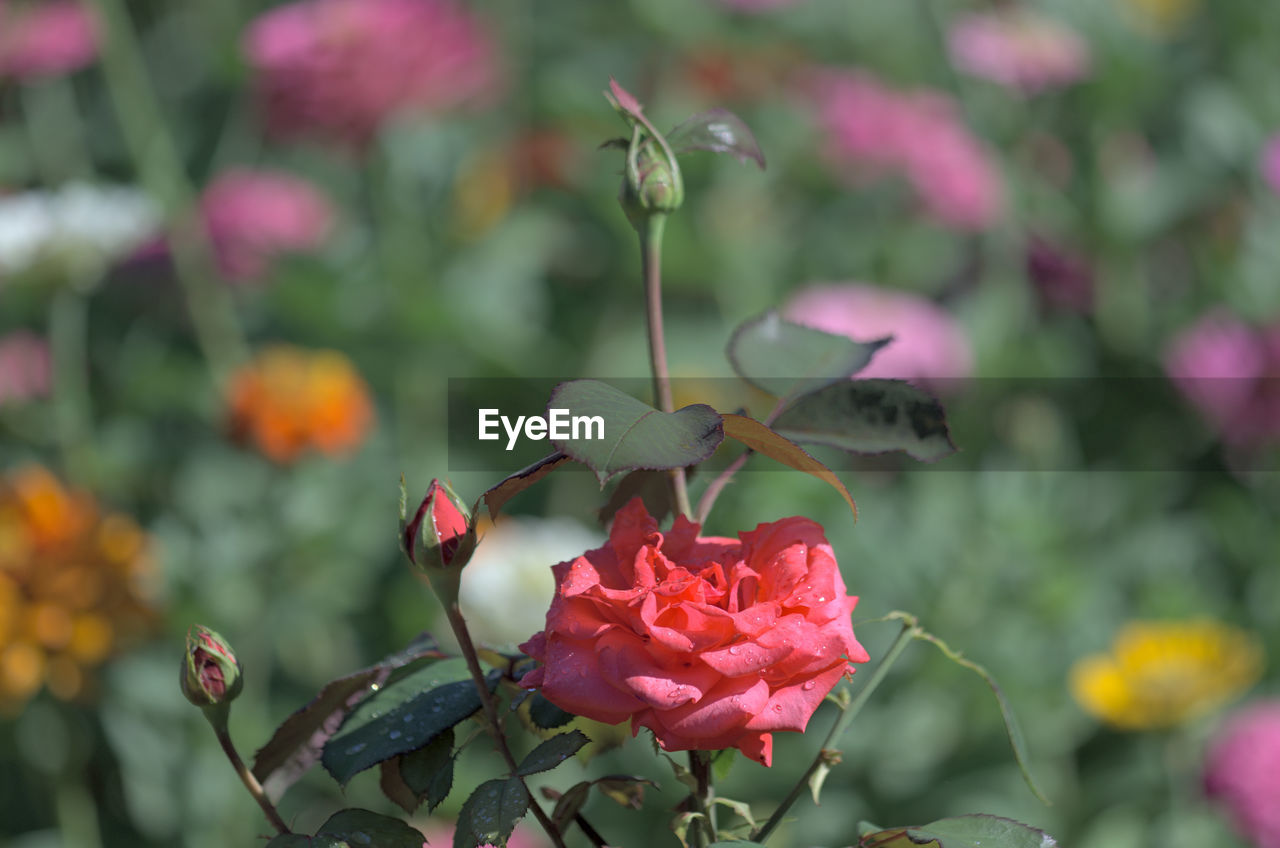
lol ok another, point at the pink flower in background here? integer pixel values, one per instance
(338, 69)
(252, 216)
(876, 130)
(46, 38)
(1018, 49)
(1271, 163)
(928, 345)
(25, 370)
(1230, 371)
(1062, 279)
(1243, 771)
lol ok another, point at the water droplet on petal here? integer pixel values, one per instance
(808, 685)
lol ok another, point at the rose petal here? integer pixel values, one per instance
(573, 681)
(662, 682)
(791, 707)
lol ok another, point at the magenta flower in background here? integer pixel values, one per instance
(1063, 280)
(338, 69)
(25, 369)
(1230, 371)
(928, 345)
(44, 39)
(873, 130)
(252, 216)
(1243, 771)
(1018, 49)
(1271, 163)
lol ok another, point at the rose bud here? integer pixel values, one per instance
(211, 673)
(439, 539)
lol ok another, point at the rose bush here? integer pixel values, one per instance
(709, 642)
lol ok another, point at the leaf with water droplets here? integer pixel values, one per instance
(491, 813)
(297, 743)
(354, 828)
(422, 775)
(553, 752)
(403, 716)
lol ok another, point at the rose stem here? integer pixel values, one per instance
(651, 267)
(704, 797)
(250, 782)
(159, 165)
(459, 625)
(910, 630)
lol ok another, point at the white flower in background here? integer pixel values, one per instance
(77, 225)
(507, 586)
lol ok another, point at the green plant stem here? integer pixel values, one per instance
(68, 333)
(52, 120)
(651, 267)
(704, 799)
(155, 156)
(250, 782)
(910, 630)
(459, 625)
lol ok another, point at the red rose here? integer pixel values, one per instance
(710, 643)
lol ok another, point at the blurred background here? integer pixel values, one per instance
(244, 245)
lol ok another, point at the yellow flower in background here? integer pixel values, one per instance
(70, 586)
(1162, 16)
(1160, 674)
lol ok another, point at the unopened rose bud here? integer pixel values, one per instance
(653, 186)
(440, 537)
(210, 673)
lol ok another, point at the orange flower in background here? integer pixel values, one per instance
(71, 586)
(289, 400)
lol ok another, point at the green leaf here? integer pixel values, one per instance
(736, 844)
(546, 715)
(760, 438)
(496, 497)
(739, 807)
(624, 789)
(976, 831)
(1016, 740)
(569, 804)
(552, 753)
(722, 763)
(870, 416)
(354, 828)
(359, 828)
(652, 487)
(788, 360)
(717, 131)
(401, 717)
(297, 743)
(422, 775)
(635, 434)
(491, 813)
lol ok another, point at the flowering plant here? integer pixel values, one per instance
(709, 643)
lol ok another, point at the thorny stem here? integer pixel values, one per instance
(910, 630)
(459, 625)
(704, 799)
(155, 155)
(250, 782)
(651, 266)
